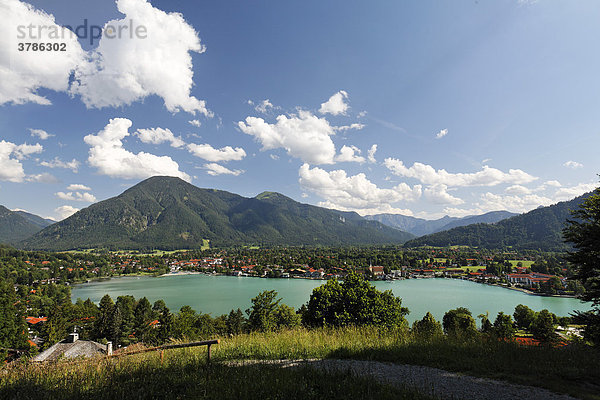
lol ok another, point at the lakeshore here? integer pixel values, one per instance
(218, 294)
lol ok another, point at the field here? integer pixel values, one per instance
(184, 372)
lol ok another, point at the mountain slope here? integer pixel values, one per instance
(420, 226)
(487, 218)
(537, 229)
(166, 212)
(14, 227)
(34, 219)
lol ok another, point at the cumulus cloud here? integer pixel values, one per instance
(11, 156)
(553, 183)
(350, 154)
(131, 67)
(110, 158)
(217, 169)
(441, 133)
(438, 194)
(209, 153)
(486, 177)
(73, 165)
(65, 211)
(304, 136)
(42, 178)
(336, 104)
(76, 196)
(22, 73)
(158, 136)
(573, 165)
(371, 154)
(195, 122)
(77, 187)
(355, 192)
(42, 134)
(568, 193)
(344, 128)
(517, 189)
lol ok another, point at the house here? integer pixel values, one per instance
(376, 270)
(72, 347)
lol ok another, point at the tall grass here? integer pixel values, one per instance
(184, 372)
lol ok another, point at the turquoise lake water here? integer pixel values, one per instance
(219, 294)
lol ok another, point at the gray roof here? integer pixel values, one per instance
(64, 349)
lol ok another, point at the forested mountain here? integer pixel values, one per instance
(420, 226)
(537, 229)
(16, 226)
(36, 220)
(168, 213)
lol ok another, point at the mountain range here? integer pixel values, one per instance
(18, 225)
(169, 213)
(539, 229)
(420, 226)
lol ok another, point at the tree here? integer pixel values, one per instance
(523, 316)
(503, 326)
(261, 315)
(104, 319)
(427, 328)
(459, 322)
(583, 231)
(542, 326)
(353, 302)
(12, 321)
(286, 317)
(486, 325)
(235, 322)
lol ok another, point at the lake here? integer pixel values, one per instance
(219, 294)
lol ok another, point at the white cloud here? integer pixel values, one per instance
(441, 133)
(42, 134)
(195, 123)
(553, 183)
(350, 154)
(335, 105)
(22, 73)
(438, 194)
(274, 156)
(348, 127)
(63, 212)
(58, 163)
(304, 136)
(42, 178)
(355, 192)
(129, 68)
(362, 114)
(76, 196)
(486, 177)
(568, 193)
(209, 153)
(77, 187)
(216, 169)
(11, 156)
(573, 165)
(493, 202)
(110, 158)
(460, 212)
(517, 189)
(371, 154)
(158, 136)
(264, 106)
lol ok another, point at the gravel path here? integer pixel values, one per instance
(439, 383)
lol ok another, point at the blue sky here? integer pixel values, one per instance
(420, 108)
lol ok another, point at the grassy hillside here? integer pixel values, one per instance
(185, 374)
(168, 213)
